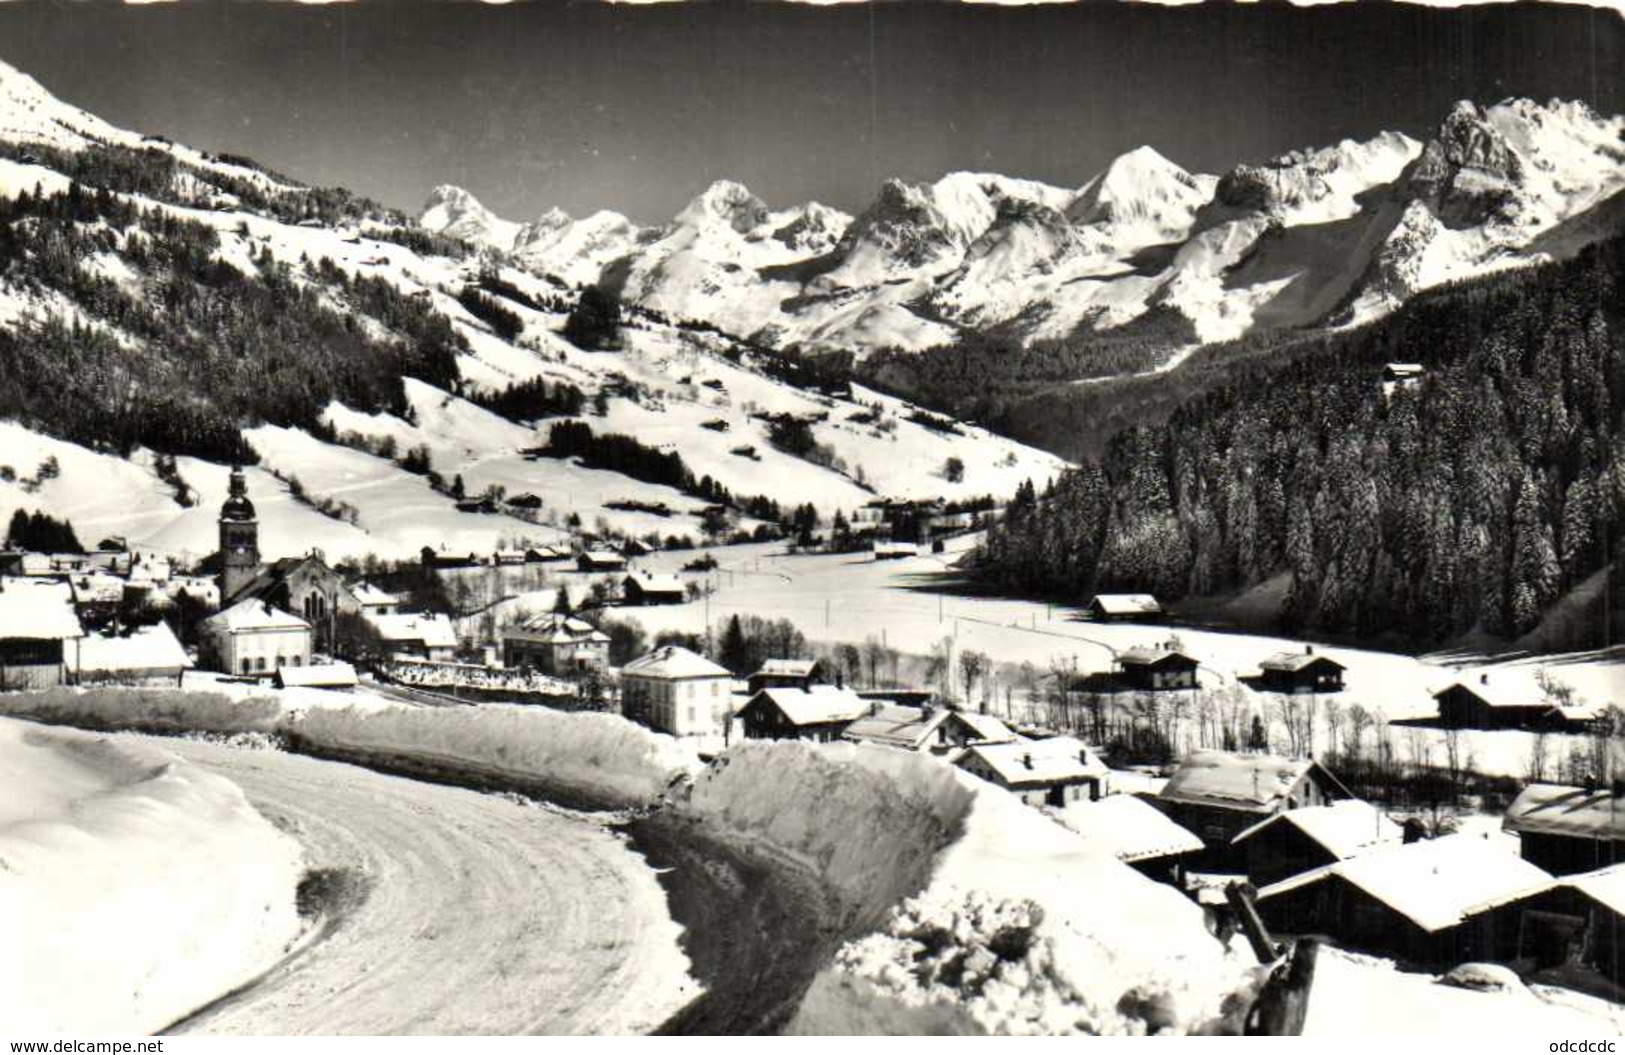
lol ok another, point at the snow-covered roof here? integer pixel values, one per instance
(1404, 368)
(1149, 657)
(786, 668)
(1435, 883)
(1606, 886)
(556, 628)
(674, 662)
(251, 613)
(816, 705)
(1127, 604)
(985, 727)
(1236, 781)
(895, 725)
(1128, 827)
(1504, 691)
(97, 588)
(368, 594)
(435, 631)
(651, 583)
(37, 611)
(1296, 661)
(1343, 829)
(603, 556)
(145, 648)
(334, 675)
(1046, 761)
(1557, 809)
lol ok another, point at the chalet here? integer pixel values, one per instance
(1403, 373)
(374, 601)
(600, 560)
(545, 555)
(507, 558)
(676, 691)
(97, 596)
(442, 558)
(254, 637)
(789, 674)
(633, 548)
(37, 631)
(1300, 672)
(1220, 794)
(1509, 703)
(1126, 608)
(429, 637)
(144, 656)
(1296, 841)
(1135, 832)
(819, 713)
(1052, 772)
(555, 644)
(887, 550)
(1578, 923)
(935, 729)
(1156, 669)
(1436, 902)
(642, 588)
(1568, 830)
(334, 675)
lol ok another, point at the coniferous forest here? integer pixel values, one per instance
(1468, 503)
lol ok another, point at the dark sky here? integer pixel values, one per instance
(586, 105)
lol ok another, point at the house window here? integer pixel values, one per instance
(247, 665)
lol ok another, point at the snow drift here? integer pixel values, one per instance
(601, 759)
(134, 888)
(969, 911)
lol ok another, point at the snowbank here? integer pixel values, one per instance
(134, 888)
(600, 758)
(964, 900)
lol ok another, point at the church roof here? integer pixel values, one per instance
(237, 506)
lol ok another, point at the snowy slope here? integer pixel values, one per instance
(136, 887)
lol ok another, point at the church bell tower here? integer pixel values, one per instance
(239, 540)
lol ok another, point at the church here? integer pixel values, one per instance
(303, 586)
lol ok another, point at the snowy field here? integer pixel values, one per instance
(851, 597)
(134, 887)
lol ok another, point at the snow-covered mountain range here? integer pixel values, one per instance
(1333, 235)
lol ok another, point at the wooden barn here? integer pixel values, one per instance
(643, 588)
(1431, 903)
(142, 656)
(1297, 841)
(1568, 830)
(1220, 794)
(38, 633)
(1300, 672)
(1125, 608)
(819, 713)
(1509, 703)
(600, 560)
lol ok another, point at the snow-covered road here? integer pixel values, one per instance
(476, 913)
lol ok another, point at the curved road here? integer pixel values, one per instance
(451, 911)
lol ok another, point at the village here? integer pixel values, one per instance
(1435, 867)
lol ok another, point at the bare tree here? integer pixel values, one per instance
(1538, 748)
(973, 666)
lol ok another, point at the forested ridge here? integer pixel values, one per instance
(188, 348)
(1469, 502)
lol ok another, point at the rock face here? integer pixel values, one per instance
(1468, 175)
(1321, 235)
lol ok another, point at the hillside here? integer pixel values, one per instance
(1326, 236)
(1471, 504)
(165, 311)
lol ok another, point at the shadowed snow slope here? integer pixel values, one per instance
(968, 907)
(133, 887)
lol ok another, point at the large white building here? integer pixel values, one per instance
(254, 638)
(677, 691)
(555, 644)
